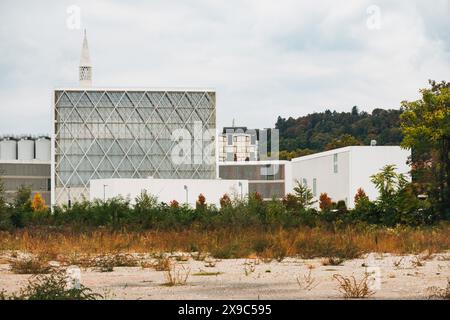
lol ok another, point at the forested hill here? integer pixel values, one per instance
(329, 130)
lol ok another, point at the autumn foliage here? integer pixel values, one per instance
(201, 201)
(225, 200)
(174, 204)
(360, 196)
(325, 202)
(38, 203)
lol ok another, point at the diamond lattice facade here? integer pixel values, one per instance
(110, 133)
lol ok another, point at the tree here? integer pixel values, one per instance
(201, 202)
(388, 182)
(38, 203)
(21, 206)
(393, 195)
(5, 219)
(425, 124)
(344, 141)
(290, 201)
(360, 196)
(225, 200)
(325, 202)
(304, 195)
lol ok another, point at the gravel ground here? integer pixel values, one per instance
(392, 277)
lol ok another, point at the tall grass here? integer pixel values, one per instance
(306, 242)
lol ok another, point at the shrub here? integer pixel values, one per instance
(162, 263)
(341, 207)
(52, 287)
(38, 204)
(325, 202)
(352, 288)
(5, 214)
(360, 196)
(35, 265)
(304, 195)
(174, 204)
(290, 201)
(439, 293)
(177, 276)
(225, 201)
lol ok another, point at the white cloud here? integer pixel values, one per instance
(265, 58)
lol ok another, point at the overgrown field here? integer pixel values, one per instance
(306, 242)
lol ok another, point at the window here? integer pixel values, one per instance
(314, 187)
(230, 140)
(305, 182)
(335, 163)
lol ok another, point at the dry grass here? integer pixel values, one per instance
(439, 293)
(352, 288)
(31, 265)
(107, 262)
(332, 261)
(228, 243)
(162, 263)
(177, 276)
(307, 281)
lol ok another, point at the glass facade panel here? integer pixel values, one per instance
(127, 134)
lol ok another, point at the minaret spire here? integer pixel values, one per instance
(85, 69)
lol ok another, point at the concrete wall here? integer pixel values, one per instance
(169, 189)
(33, 174)
(355, 166)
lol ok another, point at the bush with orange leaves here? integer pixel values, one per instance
(361, 196)
(38, 204)
(201, 202)
(325, 202)
(225, 200)
(174, 204)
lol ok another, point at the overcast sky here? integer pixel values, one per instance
(264, 58)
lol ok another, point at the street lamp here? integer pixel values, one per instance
(69, 202)
(104, 192)
(186, 189)
(240, 186)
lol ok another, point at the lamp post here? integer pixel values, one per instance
(69, 202)
(104, 192)
(186, 189)
(240, 186)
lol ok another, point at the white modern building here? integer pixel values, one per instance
(237, 144)
(101, 133)
(340, 172)
(166, 190)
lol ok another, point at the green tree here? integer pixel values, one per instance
(425, 124)
(304, 195)
(344, 141)
(21, 206)
(5, 219)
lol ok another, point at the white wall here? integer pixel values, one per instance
(320, 166)
(355, 166)
(366, 161)
(169, 189)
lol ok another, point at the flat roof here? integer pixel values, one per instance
(166, 89)
(252, 163)
(25, 162)
(338, 150)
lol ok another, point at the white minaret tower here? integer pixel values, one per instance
(85, 65)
